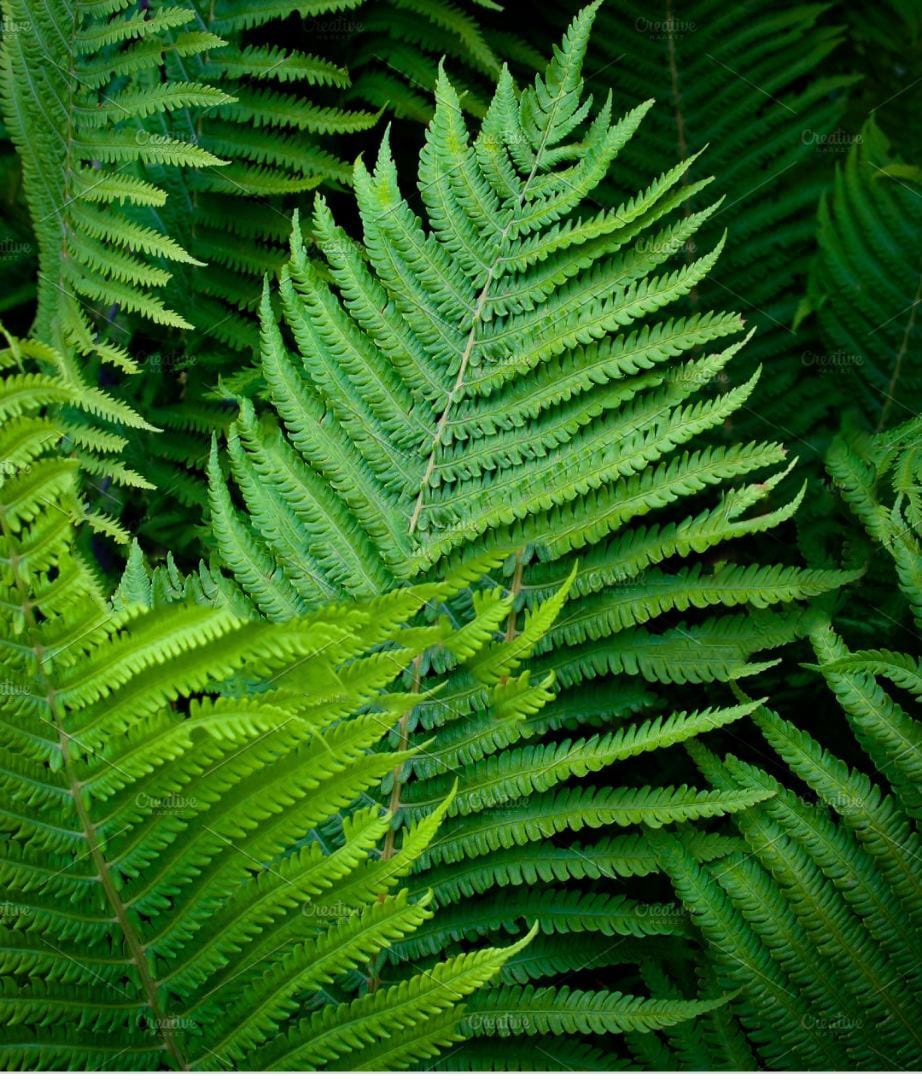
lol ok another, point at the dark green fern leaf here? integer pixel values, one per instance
(866, 282)
(761, 87)
(818, 923)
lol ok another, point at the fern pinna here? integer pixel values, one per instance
(188, 834)
(818, 923)
(495, 381)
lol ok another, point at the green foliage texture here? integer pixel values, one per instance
(460, 536)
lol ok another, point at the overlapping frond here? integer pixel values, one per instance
(396, 46)
(275, 133)
(403, 766)
(78, 423)
(817, 923)
(190, 858)
(491, 381)
(80, 91)
(763, 89)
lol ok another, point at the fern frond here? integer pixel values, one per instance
(530, 1010)
(766, 91)
(498, 376)
(866, 313)
(817, 920)
(79, 116)
(179, 813)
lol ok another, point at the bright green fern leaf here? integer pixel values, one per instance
(189, 857)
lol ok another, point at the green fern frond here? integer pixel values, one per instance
(867, 313)
(766, 91)
(402, 449)
(291, 118)
(171, 897)
(817, 921)
(878, 479)
(47, 407)
(529, 1010)
(492, 378)
(78, 98)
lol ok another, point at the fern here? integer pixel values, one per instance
(885, 43)
(188, 851)
(395, 774)
(817, 923)
(78, 97)
(493, 382)
(276, 135)
(121, 127)
(867, 313)
(280, 133)
(395, 52)
(87, 451)
(485, 704)
(868, 489)
(459, 419)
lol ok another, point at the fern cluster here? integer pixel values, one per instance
(418, 640)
